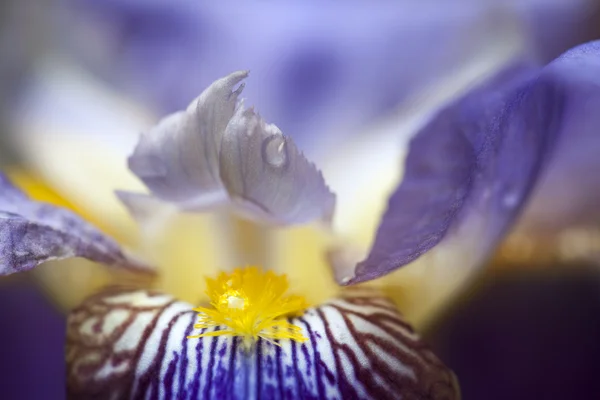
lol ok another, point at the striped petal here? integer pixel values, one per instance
(217, 153)
(132, 344)
(34, 232)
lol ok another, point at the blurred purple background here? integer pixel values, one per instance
(526, 334)
(31, 342)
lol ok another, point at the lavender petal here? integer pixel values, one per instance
(33, 232)
(568, 193)
(475, 164)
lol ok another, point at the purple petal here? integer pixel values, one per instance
(474, 165)
(569, 190)
(124, 344)
(178, 159)
(33, 232)
(266, 174)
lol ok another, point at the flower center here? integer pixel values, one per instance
(250, 303)
(233, 301)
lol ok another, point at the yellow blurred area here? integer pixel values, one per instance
(188, 242)
(300, 253)
(191, 246)
(37, 189)
(550, 248)
(67, 282)
(187, 248)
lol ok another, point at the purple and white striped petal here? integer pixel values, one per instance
(33, 232)
(214, 154)
(472, 168)
(132, 344)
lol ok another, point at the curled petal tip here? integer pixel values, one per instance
(218, 152)
(232, 79)
(239, 89)
(227, 83)
(178, 158)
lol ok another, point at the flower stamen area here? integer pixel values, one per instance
(250, 303)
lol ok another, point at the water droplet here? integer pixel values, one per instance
(510, 200)
(275, 150)
(233, 299)
(236, 302)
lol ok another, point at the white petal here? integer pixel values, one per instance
(178, 158)
(268, 177)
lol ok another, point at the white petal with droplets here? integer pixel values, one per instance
(219, 154)
(267, 176)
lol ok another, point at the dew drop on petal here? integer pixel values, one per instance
(510, 199)
(236, 302)
(275, 151)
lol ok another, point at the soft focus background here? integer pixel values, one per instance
(88, 71)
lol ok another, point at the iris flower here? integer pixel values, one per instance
(466, 175)
(329, 121)
(253, 339)
(468, 172)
